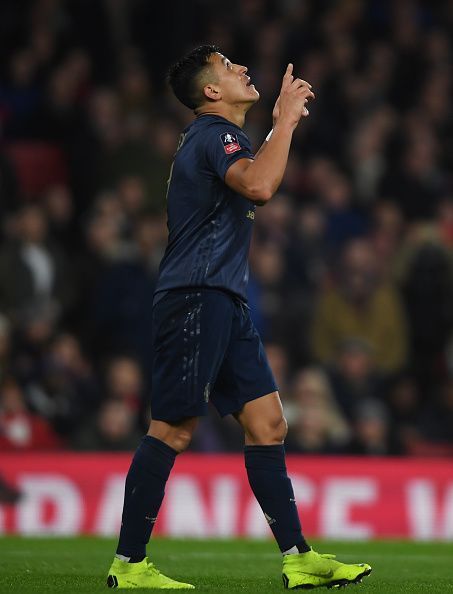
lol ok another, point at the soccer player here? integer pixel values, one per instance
(205, 345)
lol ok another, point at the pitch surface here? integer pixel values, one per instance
(80, 565)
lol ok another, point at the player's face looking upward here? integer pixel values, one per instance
(228, 83)
(207, 82)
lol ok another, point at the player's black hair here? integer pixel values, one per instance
(183, 75)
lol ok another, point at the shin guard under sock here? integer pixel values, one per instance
(266, 470)
(144, 492)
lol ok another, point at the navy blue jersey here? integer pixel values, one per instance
(210, 225)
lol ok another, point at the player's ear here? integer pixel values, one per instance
(212, 92)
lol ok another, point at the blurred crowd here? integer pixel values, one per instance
(351, 279)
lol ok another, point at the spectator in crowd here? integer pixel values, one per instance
(333, 192)
(427, 286)
(387, 236)
(59, 208)
(361, 306)
(32, 269)
(38, 324)
(113, 429)
(266, 288)
(124, 323)
(418, 183)
(372, 435)
(125, 381)
(21, 430)
(64, 390)
(353, 376)
(315, 420)
(306, 255)
(306, 252)
(20, 93)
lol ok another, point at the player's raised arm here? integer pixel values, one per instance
(258, 180)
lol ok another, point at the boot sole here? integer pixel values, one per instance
(334, 584)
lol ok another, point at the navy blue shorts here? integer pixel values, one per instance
(206, 348)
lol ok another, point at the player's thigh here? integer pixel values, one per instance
(191, 332)
(245, 374)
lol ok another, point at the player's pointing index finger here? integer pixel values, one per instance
(288, 76)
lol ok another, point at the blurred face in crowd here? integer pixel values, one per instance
(105, 115)
(124, 377)
(268, 264)
(59, 206)
(312, 403)
(66, 351)
(420, 156)
(103, 235)
(312, 428)
(62, 87)
(115, 420)
(320, 170)
(387, 217)
(372, 431)
(337, 191)
(359, 271)
(355, 363)
(404, 396)
(308, 389)
(276, 217)
(150, 233)
(39, 328)
(32, 225)
(311, 222)
(164, 137)
(135, 86)
(131, 193)
(11, 398)
(22, 68)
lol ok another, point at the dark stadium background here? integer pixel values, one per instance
(352, 263)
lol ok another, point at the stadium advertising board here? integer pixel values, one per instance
(209, 496)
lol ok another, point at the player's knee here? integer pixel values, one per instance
(270, 432)
(277, 429)
(181, 440)
(176, 435)
(281, 429)
(285, 428)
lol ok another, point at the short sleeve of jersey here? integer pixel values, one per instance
(226, 144)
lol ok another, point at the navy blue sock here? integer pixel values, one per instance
(143, 495)
(266, 470)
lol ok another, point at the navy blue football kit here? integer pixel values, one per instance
(205, 345)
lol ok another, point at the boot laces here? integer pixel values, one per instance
(153, 569)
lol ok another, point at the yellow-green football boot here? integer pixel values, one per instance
(141, 575)
(313, 570)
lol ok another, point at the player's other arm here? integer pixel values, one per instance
(258, 180)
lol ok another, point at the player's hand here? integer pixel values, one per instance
(294, 95)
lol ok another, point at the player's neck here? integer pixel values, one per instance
(233, 113)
